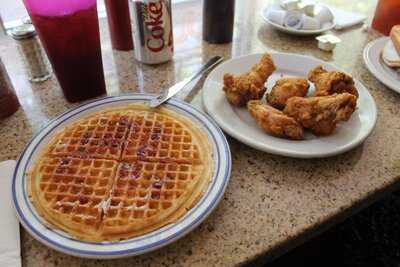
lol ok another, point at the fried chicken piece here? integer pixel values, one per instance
(331, 82)
(286, 88)
(248, 86)
(274, 121)
(320, 114)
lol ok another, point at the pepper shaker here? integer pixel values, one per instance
(31, 52)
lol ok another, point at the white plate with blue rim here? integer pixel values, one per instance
(237, 122)
(301, 32)
(63, 242)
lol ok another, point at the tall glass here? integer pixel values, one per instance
(387, 14)
(69, 31)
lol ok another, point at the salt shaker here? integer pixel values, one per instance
(31, 52)
(9, 103)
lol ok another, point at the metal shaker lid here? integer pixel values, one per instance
(26, 20)
(24, 31)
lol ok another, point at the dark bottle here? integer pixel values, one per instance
(119, 23)
(218, 18)
(9, 103)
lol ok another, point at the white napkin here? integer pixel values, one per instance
(345, 19)
(10, 252)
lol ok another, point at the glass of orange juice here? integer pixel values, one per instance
(387, 14)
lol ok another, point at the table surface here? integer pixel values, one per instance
(272, 203)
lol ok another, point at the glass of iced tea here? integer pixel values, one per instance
(387, 14)
(69, 31)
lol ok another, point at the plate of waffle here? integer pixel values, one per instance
(115, 178)
(290, 105)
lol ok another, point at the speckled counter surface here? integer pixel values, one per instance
(272, 203)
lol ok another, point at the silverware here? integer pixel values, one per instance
(173, 90)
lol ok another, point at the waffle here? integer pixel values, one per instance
(156, 137)
(148, 195)
(121, 173)
(71, 192)
(99, 136)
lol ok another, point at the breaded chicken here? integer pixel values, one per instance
(286, 88)
(248, 86)
(331, 82)
(274, 121)
(321, 114)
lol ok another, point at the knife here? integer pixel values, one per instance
(173, 90)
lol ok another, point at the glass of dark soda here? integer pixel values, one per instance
(69, 32)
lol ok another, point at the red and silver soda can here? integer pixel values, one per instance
(152, 30)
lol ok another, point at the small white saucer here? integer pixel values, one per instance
(373, 60)
(327, 26)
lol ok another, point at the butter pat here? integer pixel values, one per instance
(324, 15)
(307, 8)
(277, 16)
(327, 42)
(290, 5)
(310, 23)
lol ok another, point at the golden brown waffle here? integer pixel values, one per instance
(145, 194)
(156, 137)
(154, 171)
(72, 191)
(95, 136)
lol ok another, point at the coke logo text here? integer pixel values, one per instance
(155, 23)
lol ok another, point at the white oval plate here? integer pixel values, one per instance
(375, 64)
(61, 241)
(238, 123)
(281, 28)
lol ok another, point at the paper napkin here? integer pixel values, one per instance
(10, 252)
(345, 19)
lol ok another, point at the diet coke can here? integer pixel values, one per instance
(152, 30)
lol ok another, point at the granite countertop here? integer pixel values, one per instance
(272, 203)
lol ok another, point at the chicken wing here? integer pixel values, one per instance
(320, 114)
(331, 82)
(274, 121)
(248, 86)
(286, 88)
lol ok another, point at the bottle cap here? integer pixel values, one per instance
(24, 31)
